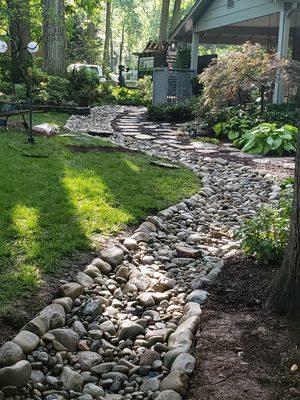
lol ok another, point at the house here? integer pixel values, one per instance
(273, 23)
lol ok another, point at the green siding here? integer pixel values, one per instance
(218, 14)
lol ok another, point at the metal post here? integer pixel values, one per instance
(30, 137)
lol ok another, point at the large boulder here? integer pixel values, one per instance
(16, 375)
(10, 353)
(28, 341)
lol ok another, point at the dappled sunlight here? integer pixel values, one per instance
(95, 205)
(25, 223)
(132, 166)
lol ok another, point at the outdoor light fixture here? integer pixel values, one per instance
(3, 47)
(32, 48)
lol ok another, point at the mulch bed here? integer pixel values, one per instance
(245, 350)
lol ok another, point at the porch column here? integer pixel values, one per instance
(282, 49)
(194, 52)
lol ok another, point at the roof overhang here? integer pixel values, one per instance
(262, 29)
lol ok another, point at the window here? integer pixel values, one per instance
(230, 3)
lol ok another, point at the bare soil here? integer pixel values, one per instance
(245, 351)
(102, 149)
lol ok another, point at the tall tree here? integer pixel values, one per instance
(107, 37)
(286, 288)
(176, 15)
(164, 19)
(19, 31)
(54, 35)
(122, 43)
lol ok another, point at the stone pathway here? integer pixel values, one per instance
(125, 328)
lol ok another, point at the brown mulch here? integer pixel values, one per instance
(244, 350)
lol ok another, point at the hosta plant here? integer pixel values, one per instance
(268, 138)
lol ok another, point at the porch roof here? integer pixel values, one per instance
(217, 23)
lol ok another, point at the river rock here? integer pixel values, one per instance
(177, 381)
(71, 380)
(88, 359)
(113, 256)
(66, 302)
(130, 330)
(169, 395)
(184, 362)
(15, 375)
(84, 280)
(130, 244)
(56, 315)
(10, 353)
(197, 296)
(28, 341)
(188, 252)
(71, 289)
(67, 337)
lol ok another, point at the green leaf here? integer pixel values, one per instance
(276, 143)
(218, 128)
(233, 135)
(248, 146)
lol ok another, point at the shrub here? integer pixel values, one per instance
(145, 88)
(109, 92)
(54, 90)
(84, 82)
(242, 76)
(49, 89)
(266, 138)
(6, 88)
(266, 235)
(172, 112)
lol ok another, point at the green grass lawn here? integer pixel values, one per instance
(54, 207)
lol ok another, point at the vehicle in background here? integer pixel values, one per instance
(90, 67)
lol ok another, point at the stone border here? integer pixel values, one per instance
(47, 326)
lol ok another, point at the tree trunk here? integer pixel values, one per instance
(111, 51)
(286, 287)
(107, 38)
(175, 16)
(164, 19)
(122, 44)
(19, 30)
(54, 34)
